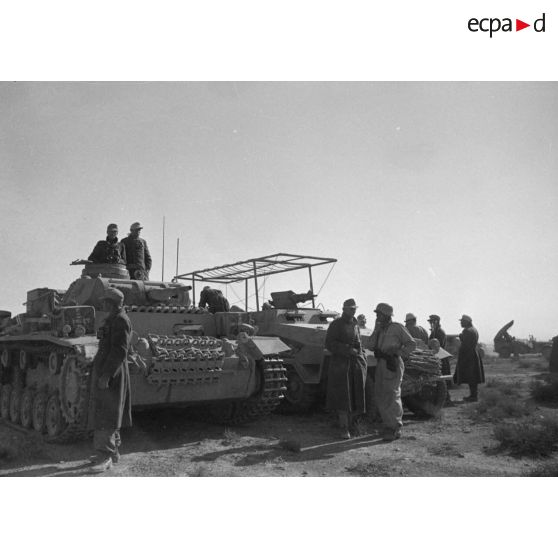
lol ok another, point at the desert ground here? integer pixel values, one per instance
(461, 442)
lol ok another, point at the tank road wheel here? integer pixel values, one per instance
(300, 396)
(73, 389)
(26, 412)
(54, 420)
(54, 362)
(5, 397)
(38, 411)
(428, 401)
(15, 405)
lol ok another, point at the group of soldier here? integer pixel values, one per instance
(391, 343)
(131, 251)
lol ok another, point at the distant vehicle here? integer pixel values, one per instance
(506, 345)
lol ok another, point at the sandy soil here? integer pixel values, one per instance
(168, 443)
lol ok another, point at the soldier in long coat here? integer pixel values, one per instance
(469, 368)
(113, 404)
(346, 375)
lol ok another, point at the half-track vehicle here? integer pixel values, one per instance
(179, 356)
(506, 345)
(304, 329)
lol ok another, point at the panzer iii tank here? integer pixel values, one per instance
(304, 329)
(180, 356)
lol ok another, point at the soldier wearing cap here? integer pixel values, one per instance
(138, 256)
(439, 335)
(109, 251)
(361, 321)
(391, 342)
(416, 331)
(346, 377)
(113, 408)
(469, 368)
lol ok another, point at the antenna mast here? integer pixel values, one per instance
(177, 252)
(163, 259)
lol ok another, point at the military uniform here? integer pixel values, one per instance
(214, 300)
(113, 406)
(346, 376)
(469, 368)
(109, 251)
(390, 343)
(138, 257)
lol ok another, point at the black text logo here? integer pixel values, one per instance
(493, 25)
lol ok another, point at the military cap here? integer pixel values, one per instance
(410, 317)
(384, 308)
(433, 318)
(135, 226)
(466, 318)
(350, 303)
(114, 294)
(112, 226)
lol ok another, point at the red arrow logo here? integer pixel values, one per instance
(519, 25)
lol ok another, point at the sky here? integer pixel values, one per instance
(436, 197)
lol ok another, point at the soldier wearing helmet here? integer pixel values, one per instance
(113, 405)
(137, 254)
(391, 342)
(109, 251)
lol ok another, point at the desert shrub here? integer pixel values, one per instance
(500, 400)
(545, 391)
(528, 437)
(503, 386)
(546, 470)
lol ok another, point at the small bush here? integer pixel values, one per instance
(546, 391)
(546, 470)
(500, 401)
(528, 437)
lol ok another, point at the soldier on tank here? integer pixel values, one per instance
(137, 253)
(214, 299)
(111, 250)
(113, 404)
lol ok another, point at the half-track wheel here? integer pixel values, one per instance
(300, 396)
(15, 405)
(39, 411)
(26, 412)
(54, 419)
(428, 401)
(5, 397)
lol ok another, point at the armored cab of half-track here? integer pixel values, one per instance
(179, 356)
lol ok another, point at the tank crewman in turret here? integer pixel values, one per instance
(137, 254)
(111, 250)
(113, 403)
(214, 300)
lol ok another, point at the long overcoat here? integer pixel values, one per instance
(469, 368)
(113, 406)
(346, 376)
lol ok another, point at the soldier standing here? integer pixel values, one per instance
(109, 251)
(416, 331)
(137, 253)
(469, 368)
(391, 342)
(346, 377)
(113, 406)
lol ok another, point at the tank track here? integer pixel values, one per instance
(73, 418)
(269, 397)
